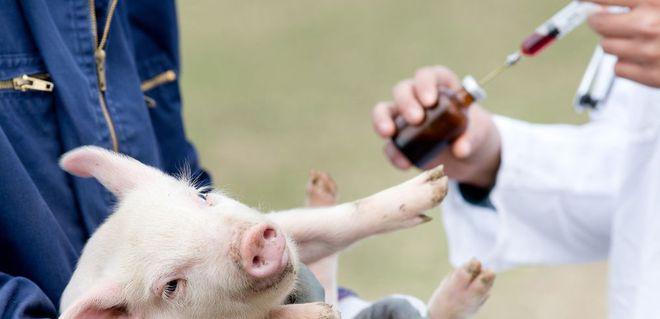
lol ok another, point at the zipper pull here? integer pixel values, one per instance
(99, 55)
(26, 82)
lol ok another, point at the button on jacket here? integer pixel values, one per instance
(46, 215)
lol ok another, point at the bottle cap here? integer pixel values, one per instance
(471, 85)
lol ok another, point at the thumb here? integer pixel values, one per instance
(462, 148)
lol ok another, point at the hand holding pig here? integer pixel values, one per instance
(169, 251)
(473, 158)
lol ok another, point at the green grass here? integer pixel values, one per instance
(275, 88)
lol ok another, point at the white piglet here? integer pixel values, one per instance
(169, 251)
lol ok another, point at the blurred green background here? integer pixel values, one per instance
(275, 88)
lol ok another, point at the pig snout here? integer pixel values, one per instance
(263, 252)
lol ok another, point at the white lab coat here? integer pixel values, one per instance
(573, 194)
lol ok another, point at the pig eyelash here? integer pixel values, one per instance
(171, 288)
(193, 180)
(206, 200)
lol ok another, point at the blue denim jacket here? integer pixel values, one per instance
(46, 215)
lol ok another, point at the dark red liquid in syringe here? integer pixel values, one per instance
(535, 43)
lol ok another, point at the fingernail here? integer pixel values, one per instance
(429, 98)
(418, 114)
(384, 127)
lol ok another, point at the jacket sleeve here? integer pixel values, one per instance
(154, 30)
(22, 299)
(556, 189)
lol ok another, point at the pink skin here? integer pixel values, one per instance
(263, 252)
(259, 256)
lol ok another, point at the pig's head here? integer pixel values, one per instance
(170, 251)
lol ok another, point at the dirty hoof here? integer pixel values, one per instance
(462, 292)
(405, 205)
(321, 190)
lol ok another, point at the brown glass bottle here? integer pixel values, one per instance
(442, 124)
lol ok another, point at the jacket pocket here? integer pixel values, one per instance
(27, 110)
(155, 82)
(34, 82)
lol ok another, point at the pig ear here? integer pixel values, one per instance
(104, 302)
(118, 173)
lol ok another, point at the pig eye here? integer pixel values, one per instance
(206, 199)
(170, 288)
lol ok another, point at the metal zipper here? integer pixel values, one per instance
(154, 82)
(35, 82)
(160, 79)
(99, 57)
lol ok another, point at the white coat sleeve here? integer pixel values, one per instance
(554, 195)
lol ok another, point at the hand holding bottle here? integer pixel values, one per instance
(473, 158)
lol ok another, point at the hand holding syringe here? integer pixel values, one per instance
(446, 121)
(562, 23)
(420, 137)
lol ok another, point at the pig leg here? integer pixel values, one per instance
(461, 293)
(322, 191)
(321, 232)
(304, 311)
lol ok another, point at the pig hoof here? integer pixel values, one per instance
(423, 193)
(403, 206)
(462, 292)
(321, 190)
(435, 174)
(326, 311)
(438, 181)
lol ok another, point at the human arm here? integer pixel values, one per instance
(558, 186)
(553, 201)
(554, 187)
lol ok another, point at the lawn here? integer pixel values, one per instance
(273, 89)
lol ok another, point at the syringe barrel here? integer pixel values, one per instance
(568, 18)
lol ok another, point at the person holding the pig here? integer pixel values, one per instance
(103, 73)
(98, 72)
(561, 194)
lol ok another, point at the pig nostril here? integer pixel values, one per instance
(270, 233)
(257, 262)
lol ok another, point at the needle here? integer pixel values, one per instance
(511, 60)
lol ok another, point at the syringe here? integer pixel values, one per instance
(555, 28)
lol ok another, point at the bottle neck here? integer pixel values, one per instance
(463, 98)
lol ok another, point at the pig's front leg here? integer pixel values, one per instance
(325, 231)
(317, 310)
